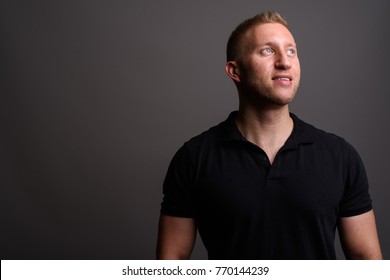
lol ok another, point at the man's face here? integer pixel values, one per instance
(269, 66)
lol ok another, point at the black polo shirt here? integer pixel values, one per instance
(246, 208)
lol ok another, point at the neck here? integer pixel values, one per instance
(269, 129)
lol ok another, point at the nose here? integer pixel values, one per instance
(282, 62)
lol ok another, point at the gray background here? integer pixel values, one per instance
(96, 97)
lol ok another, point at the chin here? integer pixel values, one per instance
(281, 99)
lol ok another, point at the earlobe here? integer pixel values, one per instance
(232, 71)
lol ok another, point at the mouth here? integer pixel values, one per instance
(282, 78)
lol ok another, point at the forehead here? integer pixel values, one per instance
(268, 33)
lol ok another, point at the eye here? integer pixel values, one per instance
(267, 51)
(291, 52)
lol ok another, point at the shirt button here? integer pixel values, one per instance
(263, 158)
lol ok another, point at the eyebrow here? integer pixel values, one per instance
(270, 43)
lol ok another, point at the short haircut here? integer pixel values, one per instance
(233, 45)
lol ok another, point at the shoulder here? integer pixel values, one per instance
(214, 136)
(205, 140)
(325, 140)
(311, 133)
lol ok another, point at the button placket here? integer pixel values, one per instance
(263, 158)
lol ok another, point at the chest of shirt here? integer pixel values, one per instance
(242, 182)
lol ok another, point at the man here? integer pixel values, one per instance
(264, 184)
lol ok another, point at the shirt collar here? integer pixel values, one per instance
(302, 132)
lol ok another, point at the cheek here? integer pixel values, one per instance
(260, 70)
(297, 70)
(256, 70)
(297, 66)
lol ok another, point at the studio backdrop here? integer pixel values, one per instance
(97, 96)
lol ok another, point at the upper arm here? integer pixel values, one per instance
(176, 237)
(358, 236)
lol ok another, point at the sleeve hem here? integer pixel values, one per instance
(356, 212)
(176, 214)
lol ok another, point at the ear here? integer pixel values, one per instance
(232, 71)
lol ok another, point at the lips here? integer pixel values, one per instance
(282, 78)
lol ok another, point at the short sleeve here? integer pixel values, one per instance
(178, 186)
(356, 199)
